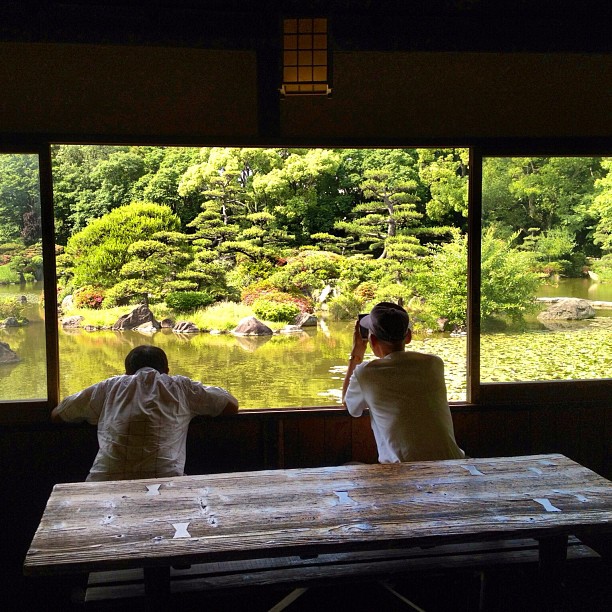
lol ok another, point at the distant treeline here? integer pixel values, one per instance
(281, 225)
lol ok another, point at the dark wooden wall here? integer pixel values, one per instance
(484, 86)
(208, 96)
(33, 459)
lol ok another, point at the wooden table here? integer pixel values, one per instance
(249, 515)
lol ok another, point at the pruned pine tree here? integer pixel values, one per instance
(390, 208)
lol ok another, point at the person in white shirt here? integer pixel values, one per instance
(143, 416)
(404, 391)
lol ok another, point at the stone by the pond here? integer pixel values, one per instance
(10, 322)
(147, 328)
(291, 329)
(185, 327)
(139, 316)
(251, 326)
(568, 309)
(305, 319)
(67, 302)
(167, 323)
(7, 354)
(72, 322)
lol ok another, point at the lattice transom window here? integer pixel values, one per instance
(305, 57)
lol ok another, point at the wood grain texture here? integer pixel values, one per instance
(106, 525)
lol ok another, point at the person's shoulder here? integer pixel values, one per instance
(428, 356)
(110, 380)
(421, 358)
(183, 380)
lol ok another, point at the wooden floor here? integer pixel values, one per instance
(586, 589)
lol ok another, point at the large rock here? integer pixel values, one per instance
(11, 322)
(568, 309)
(185, 327)
(305, 319)
(72, 322)
(292, 329)
(67, 302)
(7, 355)
(250, 326)
(139, 316)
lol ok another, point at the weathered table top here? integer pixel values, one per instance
(145, 523)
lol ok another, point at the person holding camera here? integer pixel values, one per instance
(404, 391)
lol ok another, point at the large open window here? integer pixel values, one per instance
(23, 362)
(213, 235)
(546, 232)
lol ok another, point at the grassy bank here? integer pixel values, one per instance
(222, 316)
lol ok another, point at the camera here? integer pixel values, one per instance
(363, 330)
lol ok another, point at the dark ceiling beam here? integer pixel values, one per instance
(436, 25)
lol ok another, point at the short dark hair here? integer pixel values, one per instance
(146, 356)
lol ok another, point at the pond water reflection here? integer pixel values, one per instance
(297, 370)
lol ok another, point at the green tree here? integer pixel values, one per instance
(151, 267)
(76, 186)
(602, 209)
(297, 191)
(95, 255)
(507, 288)
(19, 198)
(445, 172)
(555, 250)
(166, 167)
(391, 207)
(523, 193)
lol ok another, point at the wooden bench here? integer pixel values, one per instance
(111, 586)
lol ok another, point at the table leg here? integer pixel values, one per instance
(157, 583)
(552, 555)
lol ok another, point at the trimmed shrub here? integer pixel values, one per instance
(88, 297)
(345, 307)
(264, 291)
(275, 311)
(366, 292)
(8, 275)
(11, 307)
(185, 301)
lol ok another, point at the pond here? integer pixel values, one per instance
(297, 370)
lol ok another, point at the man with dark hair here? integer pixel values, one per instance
(146, 356)
(143, 416)
(404, 391)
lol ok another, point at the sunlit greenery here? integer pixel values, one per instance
(277, 231)
(138, 223)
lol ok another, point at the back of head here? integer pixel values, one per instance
(387, 321)
(146, 356)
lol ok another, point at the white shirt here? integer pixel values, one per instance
(406, 395)
(142, 421)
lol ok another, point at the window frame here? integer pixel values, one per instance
(33, 411)
(478, 394)
(577, 392)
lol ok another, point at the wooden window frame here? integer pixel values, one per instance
(578, 392)
(573, 392)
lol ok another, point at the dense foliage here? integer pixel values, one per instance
(290, 230)
(185, 301)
